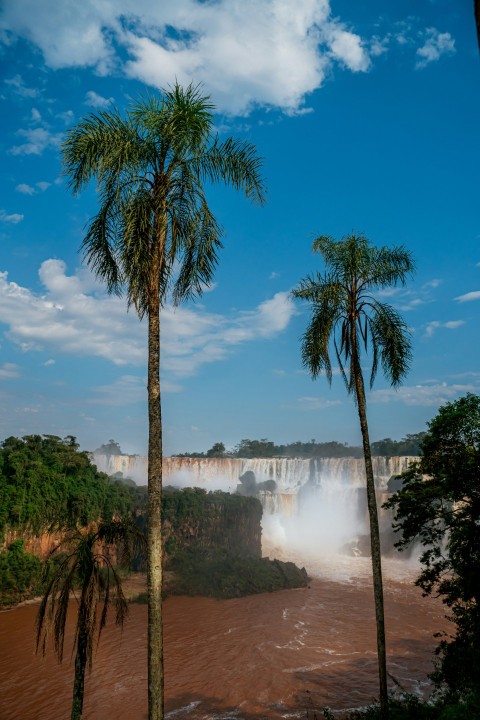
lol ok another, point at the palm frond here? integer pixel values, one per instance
(341, 366)
(390, 267)
(100, 147)
(390, 333)
(345, 313)
(200, 240)
(150, 168)
(99, 250)
(236, 163)
(84, 563)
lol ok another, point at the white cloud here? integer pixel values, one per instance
(436, 45)
(434, 283)
(247, 53)
(315, 403)
(8, 370)
(127, 390)
(74, 315)
(347, 48)
(378, 45)
(424, 395)
(14, 218)
(49, 362)
(406, 299)
(37, 140)
(270, 318)
(97, 101)
(29, 190)
(67, 116)
(25, 189)
(19, 87)
(436, 324)
(474, 295)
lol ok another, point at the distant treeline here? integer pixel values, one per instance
(410, 445)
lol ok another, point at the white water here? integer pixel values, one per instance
(318, 507)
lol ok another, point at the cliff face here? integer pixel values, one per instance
(195, 519)
(39, 545)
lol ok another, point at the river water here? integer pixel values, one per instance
(264, 656)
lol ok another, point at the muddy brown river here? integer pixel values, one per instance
(264, 656)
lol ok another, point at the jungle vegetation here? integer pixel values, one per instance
(47, 483)
(439, 507)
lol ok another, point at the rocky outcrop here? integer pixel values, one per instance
(195, 518)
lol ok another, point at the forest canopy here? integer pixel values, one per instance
(47, 482)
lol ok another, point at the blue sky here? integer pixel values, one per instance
(367, 117)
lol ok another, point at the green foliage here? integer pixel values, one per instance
(439, 505)
(409, 445)
(154, 232)
(110, 448)
(20, 574)
(217, 450)
(410, 707)
(193, 517)
(246, 448)
(218, 573)
(346, 314)
(255, 448)
(46, 483)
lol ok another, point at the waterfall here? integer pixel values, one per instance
(318, 502)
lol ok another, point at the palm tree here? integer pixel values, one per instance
(86, 562)
(155, 237)
(346, 314)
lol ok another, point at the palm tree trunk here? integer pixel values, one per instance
(374, 539)
(154, 539)
(80, 661)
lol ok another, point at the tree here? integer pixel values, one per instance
(217, 450)
(86, 562)
(47, 483)
(346, 314)
(155, 237)
(439, 505)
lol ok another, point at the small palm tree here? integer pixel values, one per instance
(345, 313)
(155, 237)
(86, 564)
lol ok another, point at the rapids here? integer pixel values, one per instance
(264, 656)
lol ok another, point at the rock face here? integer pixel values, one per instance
(213, 547)
(200, 520)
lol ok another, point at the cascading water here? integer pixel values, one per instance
(317, 504)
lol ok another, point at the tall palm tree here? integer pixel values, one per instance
(86, 563)
(155, 237)
(345, 313)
